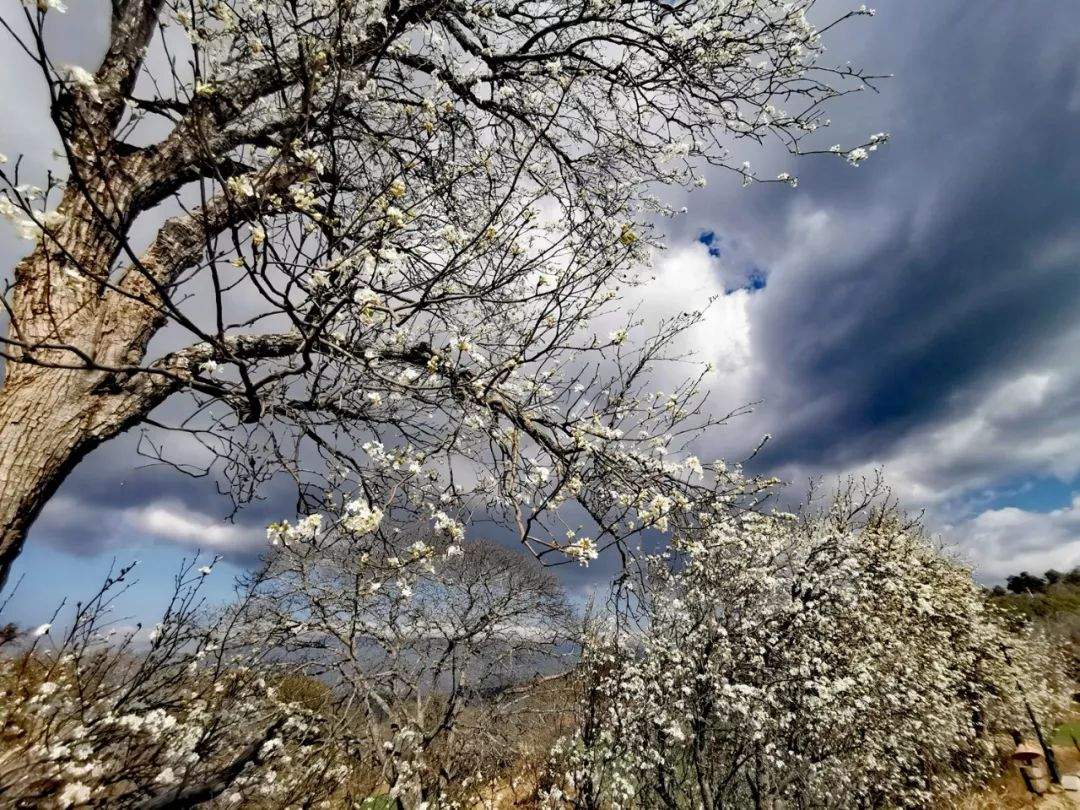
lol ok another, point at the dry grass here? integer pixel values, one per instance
(1008, 791)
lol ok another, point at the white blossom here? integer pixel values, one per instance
(82, 77)
(74, 793)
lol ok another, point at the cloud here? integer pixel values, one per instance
(87, 527)
(171, 522)
(689, 278)
(1022, 425)
(1009, 540)
(919, 312)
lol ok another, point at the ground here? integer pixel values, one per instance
(1008, 792)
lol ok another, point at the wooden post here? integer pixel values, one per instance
(1017, 738)
(1029, 783)
(1048, 752)
(1051, 763)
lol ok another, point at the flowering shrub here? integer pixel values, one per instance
(348, 666)
(189, 713)
(824, 661)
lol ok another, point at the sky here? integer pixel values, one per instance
(919, 313)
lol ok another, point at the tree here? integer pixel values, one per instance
(371, 222)
(346, 667)
(831, 660)
(420, 641)
(194, 711)
(1025, 583)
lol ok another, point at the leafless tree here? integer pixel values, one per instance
(375, 221)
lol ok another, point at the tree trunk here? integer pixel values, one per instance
(49, 421)
(50, 416)
(41, 440)
(68, 308)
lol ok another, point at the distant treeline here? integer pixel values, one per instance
(1025, 582)
(1051, 601)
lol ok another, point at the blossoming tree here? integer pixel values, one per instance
(834, 660)
(418, 640)
(193, 712)
(379, 223)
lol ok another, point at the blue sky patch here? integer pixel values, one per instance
(712, 242)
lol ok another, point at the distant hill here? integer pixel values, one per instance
(1051, 601)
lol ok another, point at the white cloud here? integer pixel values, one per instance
(1005, 541)
(81, 527)
(1014, 428)
(1022, 428)
(688, 278)
(172, 522)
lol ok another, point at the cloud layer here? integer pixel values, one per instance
(921, 311)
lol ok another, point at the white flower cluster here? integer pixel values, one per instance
(361, 517)
(582, 549)
(306, 530)
(93, 720)
(448, 527)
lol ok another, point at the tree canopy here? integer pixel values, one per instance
(382, 225)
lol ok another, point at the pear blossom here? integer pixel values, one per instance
(433, 216)
(81, 77)
(361, 517)
(822, 659)
(74, 793)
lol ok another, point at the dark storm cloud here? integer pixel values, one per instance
(117, 499)
(931, 278)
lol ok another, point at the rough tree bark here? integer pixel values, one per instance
(49, 421)
(62, 311)
(83, 307)
(78, 342)
(53, 413)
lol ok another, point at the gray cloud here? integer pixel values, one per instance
(921, 310)
(1008, 540)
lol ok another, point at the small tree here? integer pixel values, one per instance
(823, 661)
(373, 222)
(346, 667)
(1025, 583)
(419, 641)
